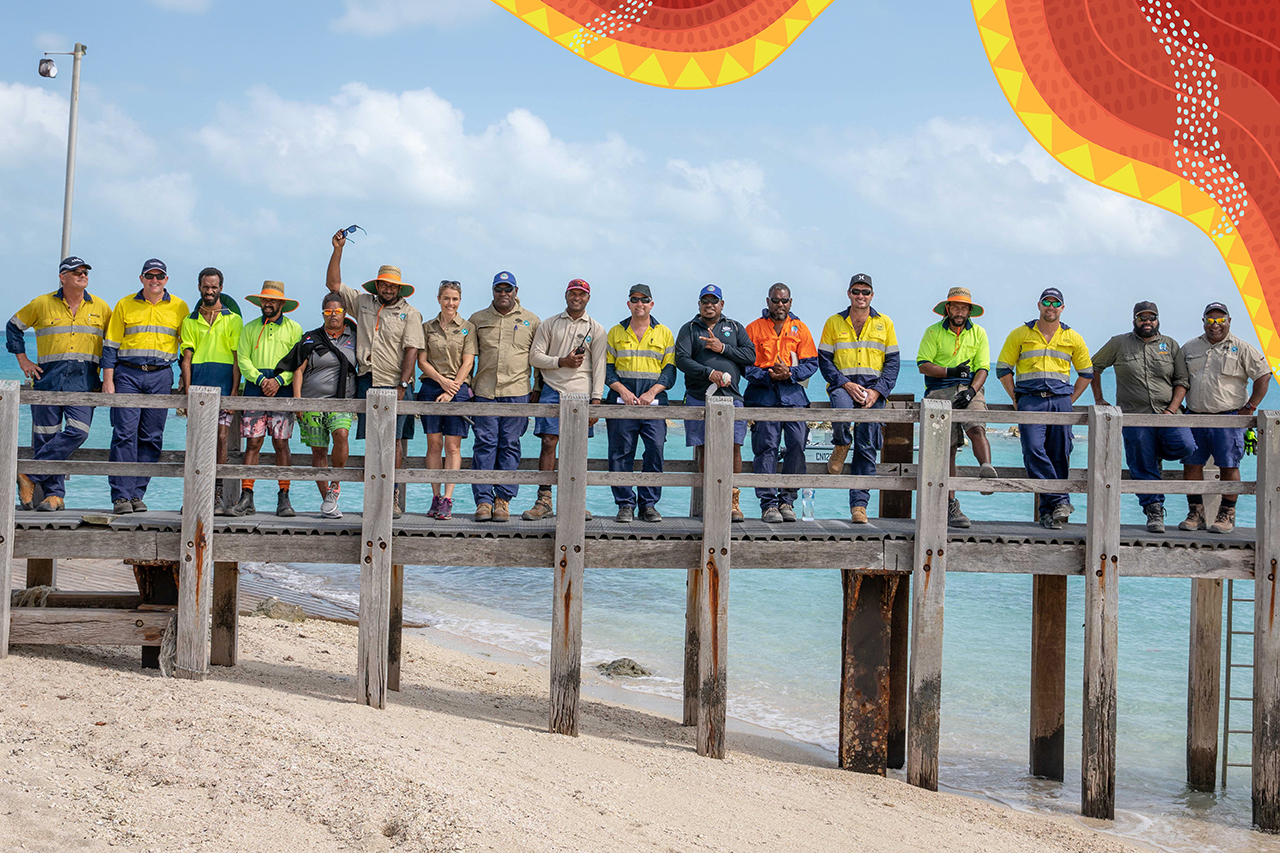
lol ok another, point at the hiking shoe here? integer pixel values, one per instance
(484, 512)
(787, 511)
(541, 508)
(53, 503)
(501, 510)
(771, 515)
(1063, 511)
(650, 514)
(956, 518)
(435, 507)
(735, 512)
(1195, 519)
(1226, 520)
(139, 505)
(218, 507)
(122, 506)
(626, 514)
(397, 509)
(329, 506)
(26, 492)
(244, 506)
(284, 508)
(835, 462)
(1050, 521)
(858, 514)
(988, 472)
(1155, 517)
(446, 509)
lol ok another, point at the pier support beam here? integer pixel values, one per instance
(1048, 676)
(864, 674)
(899, 447)
(8, 499)
(1266, 630)
(375, 548)
(713, 581)
(41, 572)
(225, 643)
(570, 559)
(1204, 681)
(395, 629)
(195, 555)
(1101, 601)
(692, 613)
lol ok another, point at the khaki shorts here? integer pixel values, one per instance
(958, 429)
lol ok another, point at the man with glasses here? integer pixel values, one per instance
(858, 356)
(1219, 366)
(69, 325)
(138, 353)
(785, 358)
(1150, 378)
(711, 352)
(504, 337)
(640, 365)
(1035, 369)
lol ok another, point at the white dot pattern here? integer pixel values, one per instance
(1198, 151)
(609, 23)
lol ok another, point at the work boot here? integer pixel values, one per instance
(446, 509)
(52, 503)
(26, 492)
(1050, 521)
(122, 506)
(501, 510)
(284, 508)
(244, 506)
(771, 515)
(1155, 517)
(858, 514)
(541, 508)
(218, 508)
(484, 512)
(787, 511)
(955, 517)
(988, 472)
(1195, 519)
(626, 514)
(835, 462)
(650, 514)
(1063, 511)
(588, 516)
(396, 509)
(139, 505)
(735, 512)
(1226, 520)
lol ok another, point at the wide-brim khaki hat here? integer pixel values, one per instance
(958, 294)
(273, 290)
(391, 275)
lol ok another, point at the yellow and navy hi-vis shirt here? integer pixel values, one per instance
(142, 333)
(868, 358)
(640, 364)
(68, 346)
(1038, 365)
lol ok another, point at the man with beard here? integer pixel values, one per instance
(955, 358)
(1219, 366)
(210, 338)
(1150, 378)
(264, 341)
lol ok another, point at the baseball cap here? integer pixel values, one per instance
(862, 278)
(1215, 306)
(1145, 308)
(1052, 293)
(642, 289)
(154, 264)
(711, 290)
(505, 277)
(72, 263)
(578, 284)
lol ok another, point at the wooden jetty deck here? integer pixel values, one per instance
(893, 571)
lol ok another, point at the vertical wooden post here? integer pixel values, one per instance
(713, 580)
(899, 447)
(1266, 630)
(1048, 676)
(1101, 602)
(692, 613)
(569, 556)
(864, 673)
(41, 572)
(224, 649)
(8, 499)
(195, 558)
(395, 628)
(1204, 679)
(375, 548)
(928, 584)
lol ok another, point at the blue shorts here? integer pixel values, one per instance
(404, 423)
(1224, 444)
(445, 424)
(551, 426)
(695, 431)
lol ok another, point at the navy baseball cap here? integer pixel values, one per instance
(504, 277)
(1215, 306)
(862, 278)
(72, 263)
(711, 290)
(154, 264)
(1052, 293)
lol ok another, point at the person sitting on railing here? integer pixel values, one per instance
(263, 342)
(210, 338)
(785, 358)
(138, 352)
(858, 356)
(568, 351)
(1149, 378)
(955, 357)
(1219, 366)
(711, 352)
(1035, 369)
(640, 365)
(323, 362)
(446, 363)
(69, 325)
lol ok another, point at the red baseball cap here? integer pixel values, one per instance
(578, 284)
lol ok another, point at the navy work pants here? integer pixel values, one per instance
(56, 433)
(623, 438)
(497, 448)
(765, 439)
(864, 440)
(137, 435)
(1145, 447)
(1046, 450)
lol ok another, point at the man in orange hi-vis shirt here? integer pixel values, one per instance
(785, 357)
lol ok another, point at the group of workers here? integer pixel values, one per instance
(372, 337)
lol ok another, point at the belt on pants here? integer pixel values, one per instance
(1045, 394)
(145, 368)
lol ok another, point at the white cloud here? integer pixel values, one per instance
(53, 42)
(160, 206)
(191, 7)
(33, 129)
(380, 17)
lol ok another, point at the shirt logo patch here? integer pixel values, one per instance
(587, 339)
(795, 329)
(464, 331)
(1164, 347)
(1233, 348)
(526, 322)
(726, 332)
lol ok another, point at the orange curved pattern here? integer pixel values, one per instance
(1175, 102)
(679, 44)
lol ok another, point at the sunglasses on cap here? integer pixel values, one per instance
(640, 300)
(860, 291)
(1216, 321)
(1051, 303)
(155, 276)
(333, 312)
(503, 288)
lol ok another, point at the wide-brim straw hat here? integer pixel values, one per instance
(391, 275)
(273, 290)
(958, 294)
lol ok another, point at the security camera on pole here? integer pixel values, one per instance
(50, 70)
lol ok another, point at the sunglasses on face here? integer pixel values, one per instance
(859, 291)
(154, 276)
(1216, 321)
(333, 312)
(779, 300)
(708, 300)
(640, 300)
(81, 273)
(503, 288)
(1145, 318)
(1051, 303)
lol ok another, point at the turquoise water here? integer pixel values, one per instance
(785, 640)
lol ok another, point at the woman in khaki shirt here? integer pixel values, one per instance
(446, 363)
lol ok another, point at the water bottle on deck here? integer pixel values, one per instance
(806, 505)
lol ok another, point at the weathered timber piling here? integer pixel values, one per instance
(713, 580)
(1204, 682)
(1048, 676)
(570, 560)
(1266, 630)
(195, 565)
(375, 548)
(8, 499)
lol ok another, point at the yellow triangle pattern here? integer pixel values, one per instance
(649, 72)
(1078, 161)
(693, 77)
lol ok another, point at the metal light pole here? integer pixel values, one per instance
(48, 69)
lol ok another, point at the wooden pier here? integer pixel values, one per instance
(891, 566)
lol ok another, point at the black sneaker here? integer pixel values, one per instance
(1050, 521)
(626, 514)
(650, 514)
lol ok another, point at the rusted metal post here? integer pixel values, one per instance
(1048, 676)
(225, 643)
(8, 499)
(899, 448)
(570, 558)
(1204, 681)
(195, 555)
(1266, 630)
(713, 586)
(375, 548)
(864, 675)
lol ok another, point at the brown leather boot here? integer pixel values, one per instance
(735, 514)
(858, 515)
(541, 508)
(501, 510)
(26, 492)
(1195, 518)
(484, 512)
(835, 462)
(1226, 520)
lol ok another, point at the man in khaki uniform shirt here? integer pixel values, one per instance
(504, 333)
(568, 352)
(1219, 366)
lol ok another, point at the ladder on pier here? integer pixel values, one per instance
(1234, 650)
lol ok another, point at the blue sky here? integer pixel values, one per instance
(242, 135)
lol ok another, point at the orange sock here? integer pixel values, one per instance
(247, 484)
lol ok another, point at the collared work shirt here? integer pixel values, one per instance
(447, 343)
(68, 346)
(142, 333)
(213, 347)
(1040, 365)
(503, 342)
(640, 363)
(697, 362)
(867, 357)
(383, 333)
(1146, 371)
(1220, 373)
(261, 347)
(793, 346)
(559, 336)
(943, 346)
